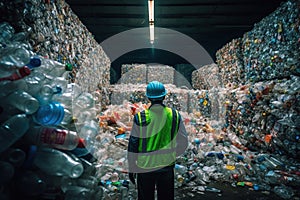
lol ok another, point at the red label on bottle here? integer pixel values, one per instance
(53, 136)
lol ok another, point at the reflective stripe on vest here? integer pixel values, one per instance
(157, 138)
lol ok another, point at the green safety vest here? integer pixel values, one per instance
(157, 141)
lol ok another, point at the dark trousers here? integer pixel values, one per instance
(163, 181)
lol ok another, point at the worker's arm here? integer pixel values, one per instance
(181, 139)
(133, 148)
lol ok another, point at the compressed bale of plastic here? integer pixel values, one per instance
(206, 77)
(161, 73)
(144, 73)
(177, 98)
(230, 62)
(271, 48)
(55, 32)
(134, 74)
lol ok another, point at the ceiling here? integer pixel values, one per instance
(211, 23)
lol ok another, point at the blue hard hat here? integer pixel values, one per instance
(155, 90)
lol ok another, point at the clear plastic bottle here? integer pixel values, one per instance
(58, 163)
(79, 193)
(88, 132)
(68, 183)
(23, 101)
(17, 74)
(6, 32)
(54, 68)
(52, 137)
(14, 55)
(12, 130)
(84, 101)
(46, 93)
(284, 191)
(7, 87)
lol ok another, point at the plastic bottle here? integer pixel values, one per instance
(89, 168)
(79, 193)
(261, 187)
(235, 150)
(88, 132)
(14, 55)
(80, 150)
(49, 114)
(212, 189)
(12, 130)
(52, 137)
(114, 177)
(68, 183)
(6, 32)
(18, 74)
(54, 68)
(58, 163)
(284, 191)
(180, 169)
(23, 101)
(83, 107)
(46, 93)
(7, 87)
(197, 142)
(123, 193)
(84, 101)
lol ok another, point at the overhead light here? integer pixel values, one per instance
(151, 10)
(151, 27)
(151, 19)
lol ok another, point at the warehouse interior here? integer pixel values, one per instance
(211, 23)
(73, 74)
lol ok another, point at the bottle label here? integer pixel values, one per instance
(53, 136)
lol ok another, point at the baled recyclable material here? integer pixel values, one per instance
(207, 77)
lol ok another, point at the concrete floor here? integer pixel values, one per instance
(228, 193)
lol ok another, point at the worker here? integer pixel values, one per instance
(157, 137)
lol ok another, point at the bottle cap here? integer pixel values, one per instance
(50, 114)
(34, 62)
(69, 67)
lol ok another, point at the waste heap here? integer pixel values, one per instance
(207, 77)
(255, 139)
(144, 73)
(245, 133)
(54, 77)
(230, 63)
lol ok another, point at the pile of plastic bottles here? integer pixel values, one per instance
(269, 51)
(214, 154)
(144, 73)
(48, 126)
(230, 63)
(207, 77)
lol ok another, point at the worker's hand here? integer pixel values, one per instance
(132, 177)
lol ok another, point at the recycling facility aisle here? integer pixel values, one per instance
(65, 129)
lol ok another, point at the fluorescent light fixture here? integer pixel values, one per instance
(151, 27)
(151, 19)
(151, 10)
